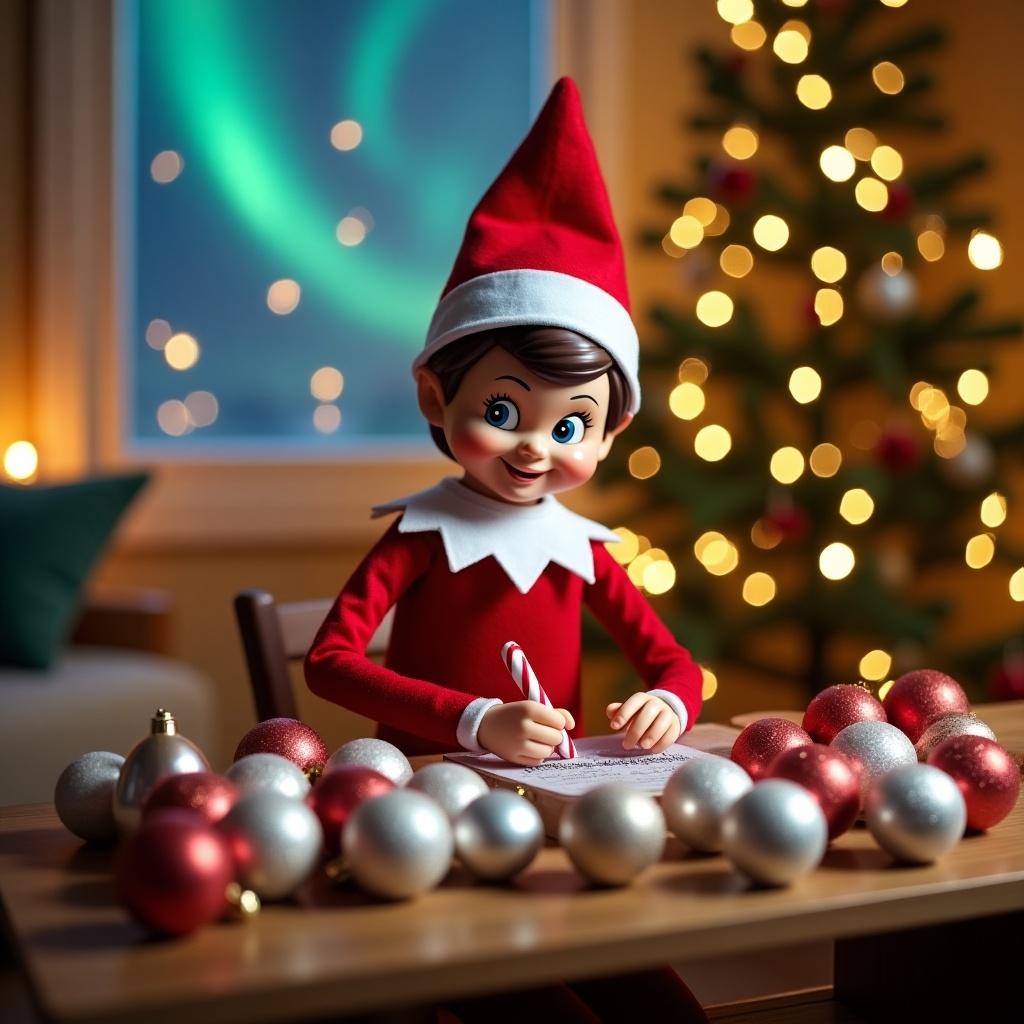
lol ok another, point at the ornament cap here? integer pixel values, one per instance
(163, 723)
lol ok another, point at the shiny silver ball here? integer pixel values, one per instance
(775, 833)
(612, 833)
(453, 786)
(379, 755)
(257, 773)
(887, 298)
(696, 797)
(84, 796)
(498, 835)
(950, 725)
(916, 813)
(877, 747)
(276, 841)
(399, 844)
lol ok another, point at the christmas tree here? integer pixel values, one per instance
(816, 483)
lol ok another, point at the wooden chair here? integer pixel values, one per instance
(276, 635)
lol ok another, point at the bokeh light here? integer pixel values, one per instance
(628, 547)
(814, 92)
(758, 589)
(703, 209)
(836, 561)
(980, 550)
(856, 506)
(283, 296)
(993, 510)
(158, 333)
(888, 77)
(173, 419)
(21, 460)
(708, 683)
(828, 264)
(805, 384)
(1017, 585)
(875, 665)
(887, 163)
(828, 305)
(740, 142)
(751, 35)
(712, 442)
(985, 251)
(861, 142)
(326, 384)
(202, 408)
(972, 386)
(714, 309)
(735, 12)
(892, 263)
(871, 194)
(181, 352)
(787, 465)
(825, 460)
(686, 231)
(166, 166)
(791, 44)
(326, 419)
(346, 135)
(771, 232)
(693, 370)
(686, 401)
(736, 260)
(837, 163)
(644, 462)
(931, 245)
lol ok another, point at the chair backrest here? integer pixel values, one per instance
(276, 634)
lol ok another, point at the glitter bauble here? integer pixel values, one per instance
(379, 755)
(206, 793)
(696, 797)
(84, 796)
(453, 786)
(174, 871)
(775, 833)
(916, 813)
(498, 835)
(987, 774)
(950, 725)
(762, 741)
(163, 752)
(339, 793)
(838, 706)
(876, 748)
(288, 737)
(829, 776)
(275, 839)
(917, 698)
(612, 833)
(255, 773)
(398, 845)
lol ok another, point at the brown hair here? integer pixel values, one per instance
(554, 354)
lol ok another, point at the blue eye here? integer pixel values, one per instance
(502, 413)
(569, 430)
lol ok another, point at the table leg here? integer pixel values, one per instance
(926, 973)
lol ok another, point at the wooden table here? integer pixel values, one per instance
(341, 952)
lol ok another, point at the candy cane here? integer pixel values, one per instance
(526, 679)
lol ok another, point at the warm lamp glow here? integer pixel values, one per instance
(21, 460)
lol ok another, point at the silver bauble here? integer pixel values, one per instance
(887, 298)
(84, 796)
(775, 833)
(399, 844)
(974, 464)
(163, 752)
(453, 786)
(276, 841)
(950, 725)
(877, 747)
(916, 813)
(256, 773)
(612, 833)
(696, 797)
(498, 835)
(379, 755)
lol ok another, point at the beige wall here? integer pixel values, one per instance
(980, 90)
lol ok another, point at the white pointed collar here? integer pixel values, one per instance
(522, 538)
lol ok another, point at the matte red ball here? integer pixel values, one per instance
(173, 873)
(762, 741)
(288, 737)
(918, 698)
(206, 793)
(987, 774)
(831, 777)
(339, 793)
(838, 706)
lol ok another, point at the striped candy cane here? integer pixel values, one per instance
(521, 671)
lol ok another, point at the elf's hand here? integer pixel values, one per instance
(649, 722)
(523, 732)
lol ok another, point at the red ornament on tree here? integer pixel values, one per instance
(762, 741)
(173, 873)
(918, 698)
(829, 776)
(838, 706)
(289, 738)
(987, 774)
(897, 451)
(899, 203)
(789, 521)
(731, 183)
(207, 793)
(339, 793)
(1007, 680)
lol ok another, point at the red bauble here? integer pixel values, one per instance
(206, 793)
(841, 705)
(1007, 680)
(831, 777)
(987, 774)
(173, 873)
(899, 203)
(790, 522)
(897, 451)
(732, 183)
(917, 698)
(339, 793)
(289, 738)
(762, 741)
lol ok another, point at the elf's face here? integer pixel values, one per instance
(519, 437)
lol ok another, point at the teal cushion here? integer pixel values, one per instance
(50, 537)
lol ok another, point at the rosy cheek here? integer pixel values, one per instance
(580, 465)
(473, 443)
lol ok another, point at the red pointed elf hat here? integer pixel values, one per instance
(541, 248)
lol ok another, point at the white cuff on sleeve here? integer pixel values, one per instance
(469, 723)
(673, 702)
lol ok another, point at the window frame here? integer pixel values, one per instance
(76, 391)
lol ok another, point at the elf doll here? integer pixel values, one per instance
(528, 375)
